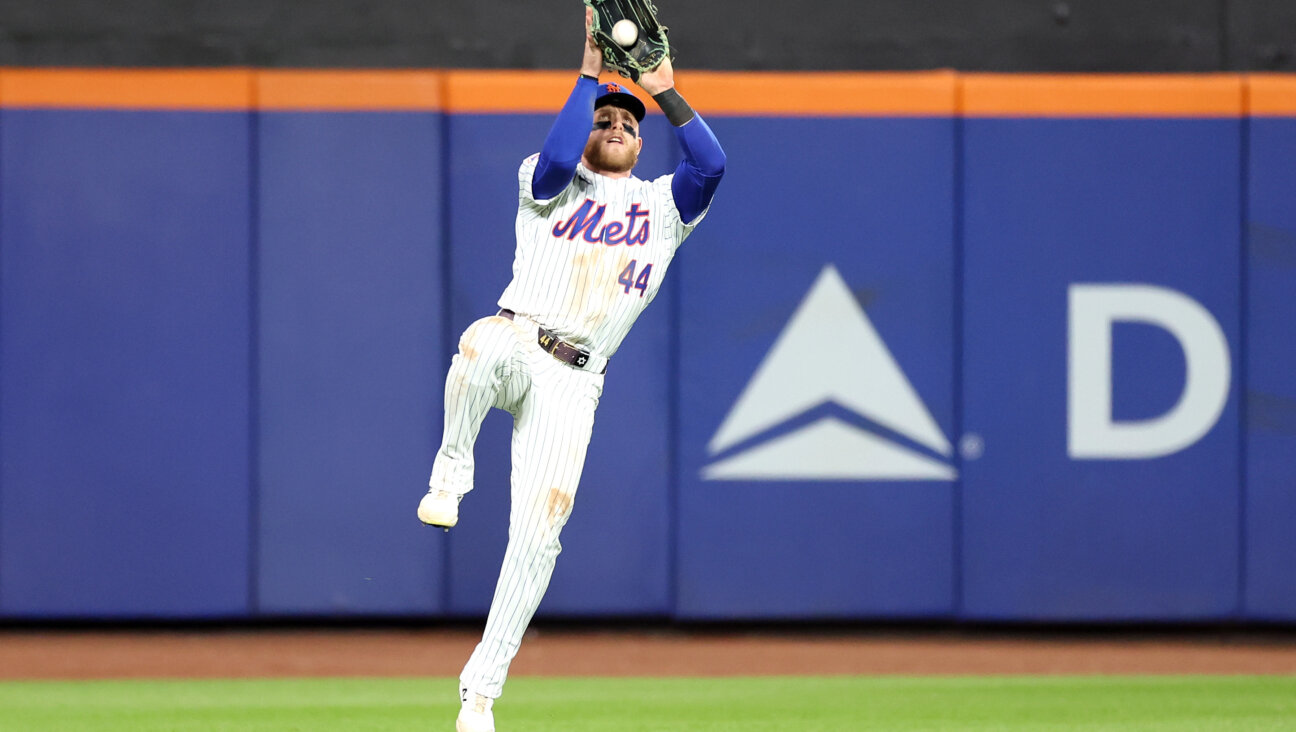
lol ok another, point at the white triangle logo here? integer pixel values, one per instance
(829, 352)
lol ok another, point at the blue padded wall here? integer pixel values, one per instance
(124, 364)
(830, 492)
(224, 338)
(1053, 203)
(1270, 581)
(350, 306)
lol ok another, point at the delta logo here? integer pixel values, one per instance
(830, 369)
(830, 402)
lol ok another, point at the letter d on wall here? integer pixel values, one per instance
(1091, 433)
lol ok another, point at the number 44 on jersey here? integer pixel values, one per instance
(628, 278)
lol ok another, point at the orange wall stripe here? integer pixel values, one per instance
(826, 94)
(349, 90)
(200, 89)
(716, 93)
(505, 92)
(1114, 95)
(1271, 95)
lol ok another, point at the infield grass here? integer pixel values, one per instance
(813, 704)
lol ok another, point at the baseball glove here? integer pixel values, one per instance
(648, 50)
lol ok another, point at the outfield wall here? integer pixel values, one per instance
(948, 346)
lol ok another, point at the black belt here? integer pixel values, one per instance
(559, 349)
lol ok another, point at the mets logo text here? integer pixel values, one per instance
(587, 221)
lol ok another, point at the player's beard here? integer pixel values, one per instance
(610, 158)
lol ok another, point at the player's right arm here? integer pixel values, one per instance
(566, 141)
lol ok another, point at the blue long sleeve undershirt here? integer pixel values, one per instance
(699, 173)
(566, 142)
(696, 177)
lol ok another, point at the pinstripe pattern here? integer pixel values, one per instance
(565, 280)
(500, 364)
(479, 378)
(570, 285)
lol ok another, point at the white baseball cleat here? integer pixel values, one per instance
(475, 715)
(439, 508)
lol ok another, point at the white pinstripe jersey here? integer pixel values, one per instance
(590, 259)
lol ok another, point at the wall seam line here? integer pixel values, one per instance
(3, 119)
(448, 342)
(673, 426)
(254, 349)
(1244, 234)
(960, 428)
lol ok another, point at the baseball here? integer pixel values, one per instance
(625, 32)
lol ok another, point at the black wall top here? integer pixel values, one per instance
(969, 35)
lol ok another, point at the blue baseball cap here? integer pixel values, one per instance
(619, 96)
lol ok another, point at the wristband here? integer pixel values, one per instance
(587, 76)
(673, 105)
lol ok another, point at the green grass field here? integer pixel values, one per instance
(668, 705)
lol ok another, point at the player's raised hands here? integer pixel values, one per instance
(592, 63)
(659, 79)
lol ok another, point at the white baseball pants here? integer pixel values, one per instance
(500, 364)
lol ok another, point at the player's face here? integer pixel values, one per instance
(614, 143)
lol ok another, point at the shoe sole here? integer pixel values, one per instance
(446, 527)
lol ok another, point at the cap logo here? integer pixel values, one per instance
(613, 88)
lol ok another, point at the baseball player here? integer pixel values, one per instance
(593, 244)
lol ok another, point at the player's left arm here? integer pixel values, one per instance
(699, 173)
